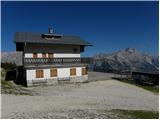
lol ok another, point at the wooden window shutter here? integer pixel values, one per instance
(72, 71)
(43, 55)
(50, 55)
(84, 71)
(53, 72)
(39, 73)
(34, 55)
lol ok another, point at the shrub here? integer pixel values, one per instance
(8, 66)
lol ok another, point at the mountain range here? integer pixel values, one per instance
(129, 59)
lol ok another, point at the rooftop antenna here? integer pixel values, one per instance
(50, 30)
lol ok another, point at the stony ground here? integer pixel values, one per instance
(87, 100)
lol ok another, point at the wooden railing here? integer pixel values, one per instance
(43, 61)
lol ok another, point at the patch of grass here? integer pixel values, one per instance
(8, 87)
(136, 114)
(146, 87)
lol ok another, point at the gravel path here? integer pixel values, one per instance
(78, 100)
(100, 76)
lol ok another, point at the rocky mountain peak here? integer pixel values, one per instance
(126, 59)
(131, 50)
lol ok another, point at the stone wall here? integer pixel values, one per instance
(54, 81)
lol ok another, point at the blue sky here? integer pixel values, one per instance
(109, 26)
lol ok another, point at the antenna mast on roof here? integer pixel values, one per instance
(50, 30)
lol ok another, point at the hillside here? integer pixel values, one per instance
(126, 59)
(11, 57)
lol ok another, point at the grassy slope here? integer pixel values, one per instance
(149, 88)
(8, 87)
(136, 114)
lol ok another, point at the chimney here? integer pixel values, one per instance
(50, 30)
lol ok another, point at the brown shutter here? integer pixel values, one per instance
(34, 55)
(72, 71)
(50, 55)
(84, 71)
(39, 73)
(53, 72)
(43, 55)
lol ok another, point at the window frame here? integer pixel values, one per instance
(52, 74)
(75, 50)
(73, 72)
(39, 73)
(84, 71)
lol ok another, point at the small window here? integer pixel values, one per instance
(84, 71)
(50, 55)
(39, 73)
(34, 55)
(75, 50)
(53, 72)
(43, 55)
(73, 71)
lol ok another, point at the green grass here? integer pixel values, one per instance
(146, 87)
(8, 87)
(136, 114)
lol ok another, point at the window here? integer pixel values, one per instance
(84, 71)
(34, 55)
(75, 50)
(43, 55)
(53, 72)
(50, 55)
(72, 71)
(39, 73)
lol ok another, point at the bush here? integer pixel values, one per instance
(8, 66)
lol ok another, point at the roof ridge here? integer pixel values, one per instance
(36, 37)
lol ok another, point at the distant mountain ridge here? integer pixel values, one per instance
(129, 59)
(11, 57)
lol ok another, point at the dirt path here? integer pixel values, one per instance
(69, 101)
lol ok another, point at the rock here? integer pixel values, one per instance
(129, 59)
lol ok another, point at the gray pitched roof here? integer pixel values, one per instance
(28, 37)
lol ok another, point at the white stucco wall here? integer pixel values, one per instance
(62, 73)
(79, 71)
(39, 55)
(55, 55)
(30, 74)
(58, 55)
(28, 55)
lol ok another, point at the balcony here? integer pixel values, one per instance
(56, 61)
